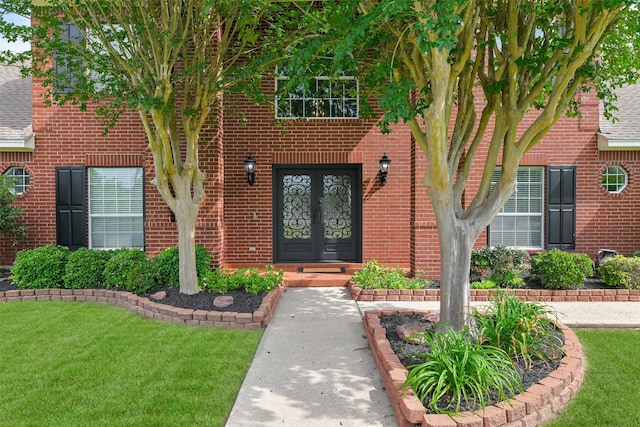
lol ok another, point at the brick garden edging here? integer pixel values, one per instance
(538, 403)
(153, 310)
(540, 295)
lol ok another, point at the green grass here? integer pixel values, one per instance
(611, 391)
(79, 364)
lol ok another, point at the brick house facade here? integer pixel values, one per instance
(317, 195)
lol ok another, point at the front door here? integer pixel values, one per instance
(317, 213)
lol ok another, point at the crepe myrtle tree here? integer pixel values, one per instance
(462, 74)
(169, 60)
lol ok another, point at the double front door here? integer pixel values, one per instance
(317, 213)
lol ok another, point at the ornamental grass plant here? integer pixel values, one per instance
(459, 370)
(524, 330)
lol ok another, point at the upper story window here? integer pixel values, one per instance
(19, 177)
(324, 98)
(614, 179)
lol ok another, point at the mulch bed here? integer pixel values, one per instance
(243, 302)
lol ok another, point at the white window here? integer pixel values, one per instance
(116, 206)
(614, 179)
(19, 177)
(520, 222)
(324, 98)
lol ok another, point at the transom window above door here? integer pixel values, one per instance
(320, 98)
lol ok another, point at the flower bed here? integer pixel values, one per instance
(538, 403)
(154, 310)
(546, 295)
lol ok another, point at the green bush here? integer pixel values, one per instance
(621, 272)
(636, 254)
(129, 269)
(458, 369)
(40, 268)
(500, 264)
(524, 330)
(484, 284)
(249, 279)
(561, 270)
(167, 264)
(85, 268)
(380, 276)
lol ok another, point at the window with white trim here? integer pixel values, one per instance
(614, 179)
(19, 177)
(520, 222)
(324, 98)
(116, 208)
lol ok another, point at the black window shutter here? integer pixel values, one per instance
(71, 207)
(561, 207)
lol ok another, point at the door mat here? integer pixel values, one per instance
(327, 270)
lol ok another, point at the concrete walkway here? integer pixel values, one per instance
(313, 366)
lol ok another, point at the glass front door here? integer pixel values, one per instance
(317, 212)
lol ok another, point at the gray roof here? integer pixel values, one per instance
(15, 104)
(624, 133)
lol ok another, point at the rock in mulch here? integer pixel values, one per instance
(432, 316)
(223, 301)
(158, 296)
(411, 333)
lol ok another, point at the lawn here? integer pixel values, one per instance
(77, 364)
(611, 391)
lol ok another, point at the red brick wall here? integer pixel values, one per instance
(67, 137)
(248, 214)
(398, 223)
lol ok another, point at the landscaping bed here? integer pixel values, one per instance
(593, 290)
(538, 403)
(248, 311)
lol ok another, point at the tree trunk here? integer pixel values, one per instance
(456, 244)
(186, 215)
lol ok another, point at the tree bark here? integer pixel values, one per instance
(186, 215)
(456, 239)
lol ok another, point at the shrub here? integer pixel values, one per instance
(129, 269)
(524, 330)
(561, 270)
(167, 265)
(380, 276)
(484, 284)
(500, 264)
(636, 254)
(248, 279)
(40, 268)
(85, 268)
(458, 369)
(11, 225)
(621, 272)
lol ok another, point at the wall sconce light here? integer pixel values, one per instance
(250, 169)
(385, 164)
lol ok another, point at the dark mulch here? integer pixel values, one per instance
(406, 351)
(243, 302)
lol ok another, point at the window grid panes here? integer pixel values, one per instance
(614, 179)
(325, 98)
(19, 177)
(116, 208)
(520, 222)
